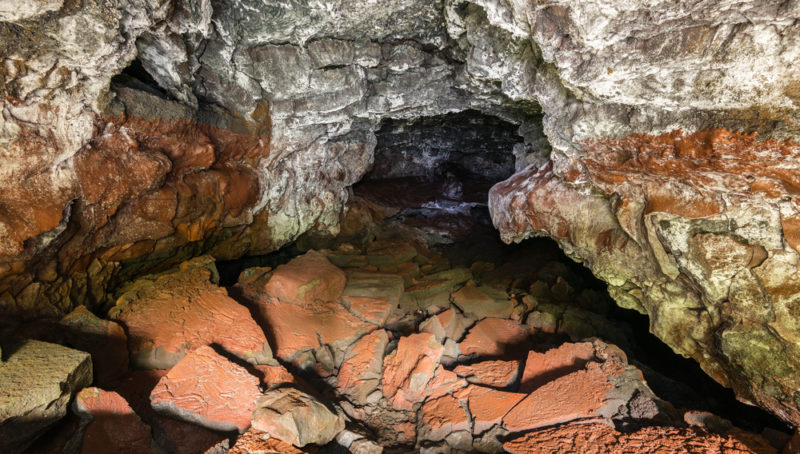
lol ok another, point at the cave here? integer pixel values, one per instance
(403, 226)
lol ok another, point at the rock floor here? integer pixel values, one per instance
(374, 342)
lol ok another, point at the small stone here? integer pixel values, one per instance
(37, 380)
(461, 440)
(111, 425)
(206, 389)
(542, 321)
(494, 337)
(272, 376)
(541, 368)
(365, 446)
(295, 417)
(496, 374)
(448, 324)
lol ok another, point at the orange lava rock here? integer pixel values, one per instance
(497, 373)
(361, 371)
(372, 310)
(494, 337)
(114, 427)
(601, 439)
(440, 417)
(483, 302)
(274, 375)
(206, 389)
(446, 324)
(444, 382)
(575, 396)
(255, 441)
(407, 370)
(296, 328)
(103, 339)
(177, 311)
(541, 368)
(488, 406)
(306, 280)
(180, 437)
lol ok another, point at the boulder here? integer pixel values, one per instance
(360, 373)
(169, 314)
(295, 417)
(495, 373)
(206, 389)
(306, 279)
(481, 302)
(105, 340)
(541, 368)
(37, 381)
(408, 369)
(110, 425)
(495, 337)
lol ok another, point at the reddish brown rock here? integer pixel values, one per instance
(488, 406)
(480, 302)
(444, 382)
(174, 312)
(255, 441)
(306, 280)
(407, 370)
(601, 439)
(541, 368)
(103, 339)
(205, 388)
(113, 426)
(441, 416)
(446, 324)
(496, 374)
(361, 371)
(578, 395)
(372, 310)
(180, 437)
(495, 337)
(297, 328)
(274, 375)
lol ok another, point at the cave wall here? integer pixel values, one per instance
(671, 169)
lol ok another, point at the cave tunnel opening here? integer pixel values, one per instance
(431, 175)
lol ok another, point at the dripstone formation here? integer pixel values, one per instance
(658, 147)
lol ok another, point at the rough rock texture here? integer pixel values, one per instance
(205, 388)
(37, 381)
(249, 121)
(295, 417)
(105, 340)
(111, 424)
(173, 313)
(601, 439)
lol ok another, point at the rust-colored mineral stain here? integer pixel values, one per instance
(706, 161)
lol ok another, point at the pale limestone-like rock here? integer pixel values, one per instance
(206, 389)
(480, 302)
(37, 381)
(295, 417)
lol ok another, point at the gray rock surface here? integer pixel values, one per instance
(37, 381)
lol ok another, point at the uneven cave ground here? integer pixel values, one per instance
(414, 329)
